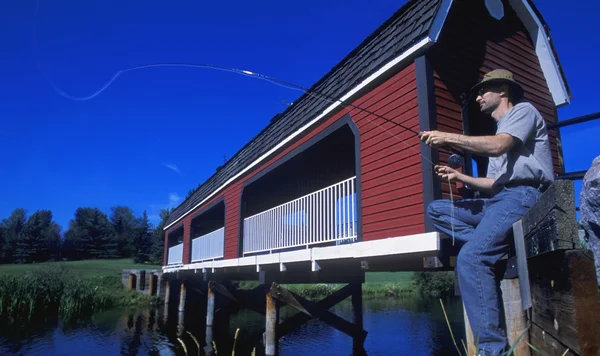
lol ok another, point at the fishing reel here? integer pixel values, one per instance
(456, 161)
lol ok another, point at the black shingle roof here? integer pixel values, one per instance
(408, 25)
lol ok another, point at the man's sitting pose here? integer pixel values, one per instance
(519, 169)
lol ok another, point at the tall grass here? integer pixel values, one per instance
(55, 291)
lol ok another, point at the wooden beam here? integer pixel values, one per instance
(312, 309)
(551, 224)
(297, 320)
(218, 288)
(566, 305)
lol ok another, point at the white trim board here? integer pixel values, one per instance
(543, 50)
(393, 246)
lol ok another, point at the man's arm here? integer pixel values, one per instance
(490, 146)
(481, 184)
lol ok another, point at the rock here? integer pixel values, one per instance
(590, 211)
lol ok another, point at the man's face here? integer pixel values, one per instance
(488, 98)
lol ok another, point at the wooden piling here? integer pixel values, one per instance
(272, 318)
(210, 307)
(167, 291)
(470, 341)
(131, 285)
(515, 316)
(151, 284)
(182, 296)
(357, 308)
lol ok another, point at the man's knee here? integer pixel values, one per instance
(435, 209)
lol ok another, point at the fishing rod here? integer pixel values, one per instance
(456, 160)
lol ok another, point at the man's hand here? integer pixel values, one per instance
(434, 138)
(447, 173)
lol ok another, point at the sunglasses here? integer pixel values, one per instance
(483, 90)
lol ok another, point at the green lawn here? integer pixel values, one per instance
(85, 268)
(403, 279)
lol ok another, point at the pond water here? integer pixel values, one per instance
(396, 326)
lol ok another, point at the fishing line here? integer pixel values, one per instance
(273, 80)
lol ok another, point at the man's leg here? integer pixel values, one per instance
(475, 266)
(467, 214)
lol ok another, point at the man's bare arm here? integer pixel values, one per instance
(481, 184)
(490, 146)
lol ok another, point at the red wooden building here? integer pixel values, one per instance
(326, 181)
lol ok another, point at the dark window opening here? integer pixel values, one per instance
(327, 162)
(208, 221)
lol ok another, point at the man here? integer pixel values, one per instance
(519, 169)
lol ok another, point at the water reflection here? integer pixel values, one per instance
(407, 326)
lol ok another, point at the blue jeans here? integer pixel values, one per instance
(483, 225)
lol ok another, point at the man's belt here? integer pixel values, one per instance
(541, 186)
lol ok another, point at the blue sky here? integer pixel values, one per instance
(156, 133)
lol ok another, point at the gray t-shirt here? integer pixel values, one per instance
(531, 159)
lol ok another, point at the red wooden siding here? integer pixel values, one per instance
(473, 43)
(391, 173)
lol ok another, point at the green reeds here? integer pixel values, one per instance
(53, 291)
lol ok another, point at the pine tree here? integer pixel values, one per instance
(126, 227)
(158, 238)
(40, 238)
(92, 235)
(142, 243)
(12, 232)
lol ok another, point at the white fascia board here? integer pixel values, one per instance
(393, 246)
(548, 62)
(439, 20)
(421, 45)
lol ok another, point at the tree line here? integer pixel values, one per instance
(91, 234)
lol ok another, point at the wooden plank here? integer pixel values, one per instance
(516, 321)
(566, 304)
(299, 319)
(522, 268)
(551, 224)
(546, 343)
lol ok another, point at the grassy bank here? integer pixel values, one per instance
(65, 289)
(377, 284)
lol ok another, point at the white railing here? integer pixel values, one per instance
(325, 215)
(209, 246)
(175, 254)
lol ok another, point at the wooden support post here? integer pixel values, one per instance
(210, 306)
(167, 300)
(167, 291)
(315, 311)
(182, 296)
(272, 317)
(131, 285)
(208, 348)
(357, 308)
(471, 349)
(516, 319)
(150, 284)
(180, 323)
